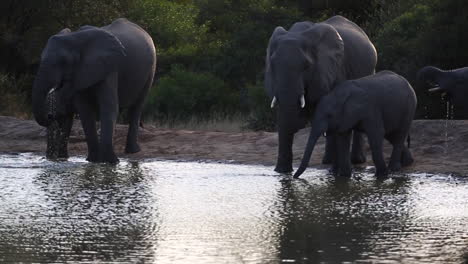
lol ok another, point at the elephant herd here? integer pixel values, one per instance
(325, 72)
(319, 72)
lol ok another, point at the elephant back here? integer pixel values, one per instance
(139, 66)
(360, 55)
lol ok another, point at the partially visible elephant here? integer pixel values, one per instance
(304, 64)
(452, 82)
(380, 105)
(93, 72)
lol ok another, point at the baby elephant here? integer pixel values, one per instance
(380, 105)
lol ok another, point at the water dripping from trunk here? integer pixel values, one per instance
(449, 115)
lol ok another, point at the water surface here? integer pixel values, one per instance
(188, 212)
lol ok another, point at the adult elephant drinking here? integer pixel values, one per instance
(452, 82)
(93, 72)
(302, 65)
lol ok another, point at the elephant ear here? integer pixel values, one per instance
(268, 82)
(96, 53)
(354, 101)
(327, 48)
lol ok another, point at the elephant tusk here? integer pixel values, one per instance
(435, 89)
(302, 101)
(52, 90)
(273, 102)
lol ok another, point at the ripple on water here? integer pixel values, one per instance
(188, 212)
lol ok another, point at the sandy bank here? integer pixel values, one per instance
(437, 145)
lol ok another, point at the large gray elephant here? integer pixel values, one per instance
(94, 72)
(380, 105)
(302, 65)
(452, 82)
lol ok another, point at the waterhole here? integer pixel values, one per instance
(155, 211)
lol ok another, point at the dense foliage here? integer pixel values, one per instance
(211, 52)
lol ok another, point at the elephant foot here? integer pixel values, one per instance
(132, 148)
(108, 157)
(406, 159)
(381, 173)
(344, 173)
(112, 159)
(92, 157)
(394, 166)
(327, 159)
(284, 169)
(358, 158)
(63, 155)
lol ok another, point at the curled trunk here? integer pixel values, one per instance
(315, 132)
(39, 93)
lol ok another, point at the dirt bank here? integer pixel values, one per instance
(437, 145)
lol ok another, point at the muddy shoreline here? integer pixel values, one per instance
(438, 146)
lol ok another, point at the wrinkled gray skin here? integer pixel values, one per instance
(452, 82)
(380, 105)
(95, 71)
(308, 60)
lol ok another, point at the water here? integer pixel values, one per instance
(185, 212)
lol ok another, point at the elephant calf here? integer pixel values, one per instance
(380, 105)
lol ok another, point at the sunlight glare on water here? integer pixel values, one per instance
(188, 212)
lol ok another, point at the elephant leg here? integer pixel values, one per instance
(64, 136)
(343, 142)
(330, 150)
(358, 154)
(397, 142)
(86, 110)
(284, 162)
(376, 145)
(108, 111)
(134, 115)
(406, 157)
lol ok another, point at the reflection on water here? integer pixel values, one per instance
(186, 212)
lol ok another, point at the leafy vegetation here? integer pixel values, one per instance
(211, 52)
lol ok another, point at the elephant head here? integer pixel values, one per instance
(302, 65)
(70, 63)
(338, 112)
(453, 83)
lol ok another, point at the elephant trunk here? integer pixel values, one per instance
(44, 101)
(42, 85)
(289, 122)
(431, 75)
(285, 156)
(315, 132)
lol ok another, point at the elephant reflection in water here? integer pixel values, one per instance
(333, 219)
(92, 208)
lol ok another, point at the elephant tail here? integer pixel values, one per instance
(408, 140)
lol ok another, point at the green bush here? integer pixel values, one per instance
(182, 94)
(424, 33)
(14, 100)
